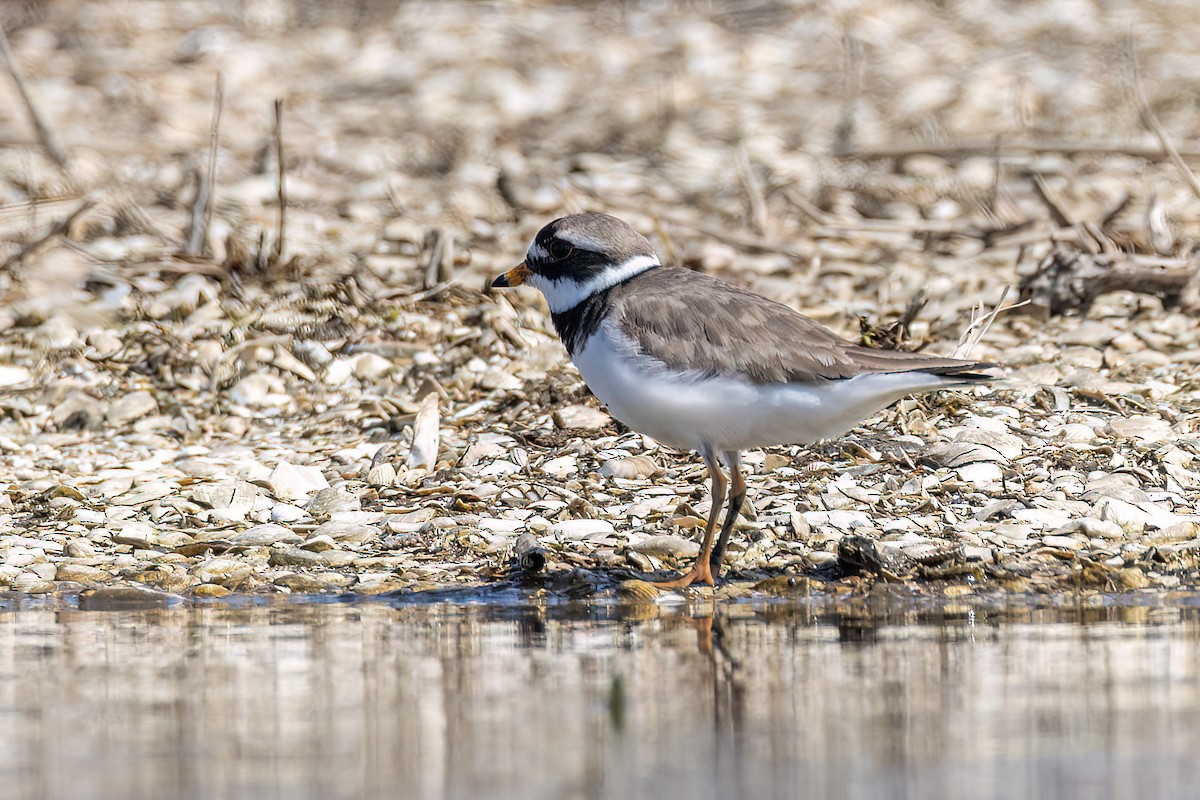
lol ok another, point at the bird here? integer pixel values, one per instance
(697, 363)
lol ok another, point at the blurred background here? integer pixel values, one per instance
(747, 135)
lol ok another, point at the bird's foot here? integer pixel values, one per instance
(701, 572)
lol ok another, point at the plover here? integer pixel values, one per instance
(700, 364)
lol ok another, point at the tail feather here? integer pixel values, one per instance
(871, 359)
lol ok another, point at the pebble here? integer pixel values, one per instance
(1063, 542)
(1146, 428)
(11, 376)
(371, 367)
(320, 544)
(560, 467)
(286, 512)
(666, 545)
(327, 502)
(981, 475)
(301, 583)
(630, 468)
(131, 407)
(1092, 528)
(228, 572)
(264, 536)
(296, 481)
(574, 529)
(351, 532)
(259, 390)
(295, 557)
(136, 534)
(580, 416)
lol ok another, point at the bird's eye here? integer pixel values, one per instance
(560, 249)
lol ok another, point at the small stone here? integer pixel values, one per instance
(1132, 578)
(258, 389)
(82, 573)
(312, 584)
(976, 553)
(635, 591)
(77, 411)
(320, 544)
(981, 474)
(1130, 518)
(80, 548)
(381, 475)
(572, 529)
(560, 467)
(132, 406)
(1092, 528)
(11, 376)
(774, 461)
(264, 536)
(630, 468)
(580, 416)
(328, 502)
(228, 572)
(44, 570)
(296, 482)
(124, 598)
(295, 557)
(1143, 427)
(339, 559)
(998, 508)
(347, 531)
(666, 545)
(972, 445)
(1119, 486)
(210, 590)
(371, 367)
(1062, 542)
(500, 525)
(286, 512)
(136, 534)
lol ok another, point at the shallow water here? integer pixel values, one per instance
(352, 700)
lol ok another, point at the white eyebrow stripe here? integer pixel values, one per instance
(564, 293)
(581, 240)
(536, 253)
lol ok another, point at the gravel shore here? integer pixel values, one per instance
(347, 409)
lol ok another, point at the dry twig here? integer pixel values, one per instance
(43, 132)
(197, 241)
(989, 149)
(280, 190)
(980, 322)
(1150, 120)
(59, 228)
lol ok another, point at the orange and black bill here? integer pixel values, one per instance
(514, 277)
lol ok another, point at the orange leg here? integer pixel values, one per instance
(737, 495)
(702, 570)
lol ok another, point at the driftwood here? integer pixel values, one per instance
(1069, 280)
(528, 554)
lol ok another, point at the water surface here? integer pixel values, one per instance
(431, 701)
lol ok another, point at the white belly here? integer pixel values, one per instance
(690, 411)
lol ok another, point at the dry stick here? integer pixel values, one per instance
(1056, 213)
(968, 149)
(1150, 120)
(754, 191)
(60, 227)
(43, 132)
(438, 245)
(281, 193)
(197, 242)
